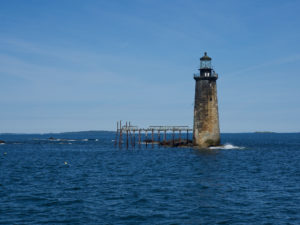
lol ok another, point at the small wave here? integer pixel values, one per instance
(85, 139)
(2, 143)
(226, 147)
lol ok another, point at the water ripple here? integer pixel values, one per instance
(44, 181)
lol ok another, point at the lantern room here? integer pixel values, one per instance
(205, 62)
(205, 66)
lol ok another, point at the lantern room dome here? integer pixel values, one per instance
(205, 57)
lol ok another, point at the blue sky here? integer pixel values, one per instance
(83, 65)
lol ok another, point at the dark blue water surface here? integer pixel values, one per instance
(80, 181)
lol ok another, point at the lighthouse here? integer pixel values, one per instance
(206, 130)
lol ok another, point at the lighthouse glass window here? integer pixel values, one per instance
(205, 64)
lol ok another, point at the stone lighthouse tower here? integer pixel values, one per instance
(206, 131)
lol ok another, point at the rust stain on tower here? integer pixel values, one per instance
(206, 130)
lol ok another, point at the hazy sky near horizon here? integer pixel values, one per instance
(68, 65)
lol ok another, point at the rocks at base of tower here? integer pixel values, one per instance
(209, 143)
(177, 143)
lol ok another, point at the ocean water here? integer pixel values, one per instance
(81, 178)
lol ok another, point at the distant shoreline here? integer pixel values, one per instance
(109, 131)
(265, 132)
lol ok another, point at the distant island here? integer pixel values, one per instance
(264, 132)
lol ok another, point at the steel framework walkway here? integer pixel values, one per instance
(129, 132)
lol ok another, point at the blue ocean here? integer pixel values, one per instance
(82, 178)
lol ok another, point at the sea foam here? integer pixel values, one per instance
(227, 146)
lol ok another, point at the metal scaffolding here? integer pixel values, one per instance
(132, 132)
